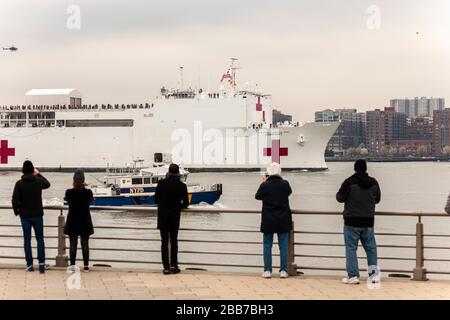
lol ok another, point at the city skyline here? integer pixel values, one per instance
(388, 133)
(308, 54)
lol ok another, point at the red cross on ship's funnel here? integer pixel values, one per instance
(6, 152)
(276, 152)
(259, 105)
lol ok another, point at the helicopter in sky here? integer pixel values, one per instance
(11, 48)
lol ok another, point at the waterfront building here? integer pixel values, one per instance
(418, 107)
(383, 127)
(279, 117)
(420, 128)
(419, 138)
(441, 133)
(327, 115)
(351, 131)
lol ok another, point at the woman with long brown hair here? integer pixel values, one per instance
(79, 221)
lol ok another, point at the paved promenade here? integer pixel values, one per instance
(15, 283)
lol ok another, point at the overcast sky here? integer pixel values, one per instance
(309, 54)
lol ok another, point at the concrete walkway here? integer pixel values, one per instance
(138, 284)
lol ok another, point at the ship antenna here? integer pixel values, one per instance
(181, 78)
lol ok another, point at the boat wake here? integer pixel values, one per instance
(53, 202)
(205, 205)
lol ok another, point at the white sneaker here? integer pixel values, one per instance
(267, 274)
(71, 269)
(284, 275)
(375, 279)
(352, 280)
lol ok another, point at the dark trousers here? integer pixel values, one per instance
(84, 249)
(37, 224)
(171, 235)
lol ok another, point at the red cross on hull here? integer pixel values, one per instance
(6, 152)
(276, 152)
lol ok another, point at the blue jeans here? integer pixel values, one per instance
(282, 244)
(37, 224)
(352, 236)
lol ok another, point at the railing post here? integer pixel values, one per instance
(420, 273)
(61, 258)
(292, 267)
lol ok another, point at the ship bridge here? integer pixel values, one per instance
(70, 97)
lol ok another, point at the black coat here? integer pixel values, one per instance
(276, 213)
(171, 196)
(360, 193)
(27, 196)
(79, 221)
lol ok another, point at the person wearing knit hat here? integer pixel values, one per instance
(79, 220)
(360, 165)
(360, 193)
(27, 203)
(27, 167)
(276, 217)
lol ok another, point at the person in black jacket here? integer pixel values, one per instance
(171, 196)
(79, 221)
(276, 217)
(360, 193)
(27, 203)
(447, 205)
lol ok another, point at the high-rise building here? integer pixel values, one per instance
(375, 131)
(441, 132)
(384, 127)
(418, 107)
(351, 131)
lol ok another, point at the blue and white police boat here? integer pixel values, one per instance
(136, 187)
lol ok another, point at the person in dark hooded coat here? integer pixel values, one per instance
(79, 221)
(171, 196)
(360, 193)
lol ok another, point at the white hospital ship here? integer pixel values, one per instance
(227, 130)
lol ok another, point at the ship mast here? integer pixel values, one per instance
(233, 68)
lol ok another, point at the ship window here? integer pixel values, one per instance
(155, 180)
(147, 180)
(136, 181)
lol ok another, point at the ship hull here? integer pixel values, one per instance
(209, 197)
(209, 135)
(67, 149)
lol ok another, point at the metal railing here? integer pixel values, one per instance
(419, 272)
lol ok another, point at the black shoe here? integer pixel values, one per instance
(30, 268)
(166, 271)
(175, 270)
(41, 268)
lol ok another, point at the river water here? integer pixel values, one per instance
(406, 187)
